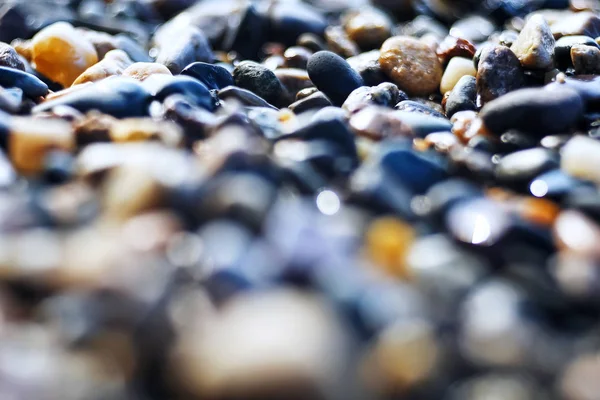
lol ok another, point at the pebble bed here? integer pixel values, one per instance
(300, 200)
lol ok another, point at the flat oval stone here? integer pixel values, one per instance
(536, 111)
(499, 72)
(261, 81)
(116, 96)
(30, 85)
(213, 76)
(463, 96)
(535, 45)
(332, 75)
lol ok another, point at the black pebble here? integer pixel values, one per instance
(261, 81)
(194, 90)
(333, 76)
(31, 86)
(213, 76)
(463, 97)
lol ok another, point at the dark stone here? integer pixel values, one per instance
(244, 96)
(195, 91)
(499, 72)
(423, 124)
(294, 80)
(32, 87)
(588, 87)
(585, 59)
(181, 47)
(134, 50)
(10, 58)
(212, 76)
(463, 96)
(332, 75)
(316, 100)
(297, 57)
(59, 167)
(22, 19)
(116, 96)
(261, 81)
(514, 140)
(386, 94)
(416, 107)
(195, 121)
(562, 48)
(312, 42)
(536, 111)
(290, 20)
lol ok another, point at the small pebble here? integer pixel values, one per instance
(261, 81)
(463, 96)
(10, 58)
(114, 63)
(213, 76)
(585, 59)
(498, 73)
(411, 64)
(181, 47)
(454, 47)
(340, 43)
(456, 69)
(142, 70)
(368, 27)
(562, 48)
(579, 158)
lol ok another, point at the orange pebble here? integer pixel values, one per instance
(387, 242)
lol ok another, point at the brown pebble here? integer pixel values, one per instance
(340, 43)
(412, 65)
(368, 28)
(296, 57)
(454, 47)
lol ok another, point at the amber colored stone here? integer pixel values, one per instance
(387, 242)
(539, 211)
(61, 53)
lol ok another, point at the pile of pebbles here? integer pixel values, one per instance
(320, 199)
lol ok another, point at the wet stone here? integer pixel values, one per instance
(585, 59)
(32, 87)
(411, 64)
(213, 76)
(463, 96)
(535, 111)
(142, 70)
(535, 45)
(163, 86)
(378, 123)
(499, 72)
(261, 81)
(332, 75)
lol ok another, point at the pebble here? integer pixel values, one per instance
(244, 96)
(368, 27)
(332, 75)
(61, 53)
(585, 59)
(456, 69)
(496, 64)
(294, 80)
(340, 43)
(261, 81)
(535, 111)
(416, 107)
(163, 86)
(579, 159)
(535, 45)
(412, 65)
(422, 124)
(290, 20)
(181, 47)
(142, 70)
(212, 76)
(367, 65)
(297, 57)
(314, 101)
(116, 96)
(30, 85)
(522, 166)
(463, 96)
(10, 58)
(454, 47)
(114, 63)
(418, 171)
(386, 95)
(562, 48)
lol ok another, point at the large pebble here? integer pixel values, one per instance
(535, 45)
(61, 53)
(412, 65)
(537, 111)
(456, 69)
(333, 76)
(31, 86)
(499, 72)
(368, 27)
